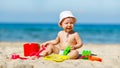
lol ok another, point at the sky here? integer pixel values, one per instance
(86, 11)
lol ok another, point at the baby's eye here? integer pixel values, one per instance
(71, 22)
(66, 23)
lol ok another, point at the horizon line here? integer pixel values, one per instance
(111, 23)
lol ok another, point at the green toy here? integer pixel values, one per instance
(86, 54)
(66, 51)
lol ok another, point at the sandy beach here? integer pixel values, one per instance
(110, 54)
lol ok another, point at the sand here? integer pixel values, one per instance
(110, 54)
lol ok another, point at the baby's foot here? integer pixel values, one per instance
(43, 54)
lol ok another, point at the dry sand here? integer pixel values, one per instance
(110, 53)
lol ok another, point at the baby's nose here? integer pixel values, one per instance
(69, 25)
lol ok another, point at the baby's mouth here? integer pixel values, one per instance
(68, 28)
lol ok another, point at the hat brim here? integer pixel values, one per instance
(60, 22)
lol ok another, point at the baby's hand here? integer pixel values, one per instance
(45, 44)
(72, 47)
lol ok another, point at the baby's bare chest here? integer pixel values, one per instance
(67, 39)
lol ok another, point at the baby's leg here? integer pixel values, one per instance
(73, 54)
(47, 51)
(55, 50)
(50, 49)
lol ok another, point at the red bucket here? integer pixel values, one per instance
(30, 48)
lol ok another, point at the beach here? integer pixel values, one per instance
(108, 52)
(93, 23)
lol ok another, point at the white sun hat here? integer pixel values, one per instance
(65, 14)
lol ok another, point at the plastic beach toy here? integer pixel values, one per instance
(37, 53)
(16, 56)
(30, 48)
(86, 54)
(56, 57)
(67, 50)
(93, 58)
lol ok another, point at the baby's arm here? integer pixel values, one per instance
(78, 40)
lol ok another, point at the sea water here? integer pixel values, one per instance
(89, 33)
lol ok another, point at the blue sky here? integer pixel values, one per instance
(86, 11)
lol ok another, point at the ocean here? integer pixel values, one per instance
(89, 33)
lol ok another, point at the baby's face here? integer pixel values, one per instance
(68, 24)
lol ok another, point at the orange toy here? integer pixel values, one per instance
(93, 58)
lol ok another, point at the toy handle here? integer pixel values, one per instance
(67, 50)
(43, 48)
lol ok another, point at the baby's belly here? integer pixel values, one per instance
(63, 46)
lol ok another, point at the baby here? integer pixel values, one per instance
(66, 37)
